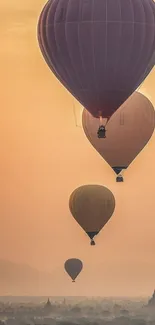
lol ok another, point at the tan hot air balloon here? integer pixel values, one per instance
(128, 131)
(92, 206)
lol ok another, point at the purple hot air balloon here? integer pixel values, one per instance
(98, 49)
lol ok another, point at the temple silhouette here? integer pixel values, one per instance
(151, 301)
(48, 306)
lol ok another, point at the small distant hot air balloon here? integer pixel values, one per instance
(128, 131)
(92, 206)
(73, 267)
(98, 49)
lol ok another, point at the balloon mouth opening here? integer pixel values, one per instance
(92, 243)
(73, 281)
(119, 179)
(101, 133)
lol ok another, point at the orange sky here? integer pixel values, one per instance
(44, 157)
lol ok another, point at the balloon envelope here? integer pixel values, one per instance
(73, 267)
(149, 68)
(98, 49)
(128, 131)
(92, 206)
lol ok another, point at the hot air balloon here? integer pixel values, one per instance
(98, 49)
(92, 206)
(73, 267)
(128, 131)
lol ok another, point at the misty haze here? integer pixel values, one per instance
(76, 310)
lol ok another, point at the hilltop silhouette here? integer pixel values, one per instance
(151, 301)
(22, 279)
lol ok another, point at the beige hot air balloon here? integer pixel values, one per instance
(92, 206)
(128, 131)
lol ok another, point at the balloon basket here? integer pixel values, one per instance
(92, 243)
(73, 281)
(101, 133)
(119, 179)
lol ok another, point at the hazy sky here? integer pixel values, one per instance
(44, 157)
